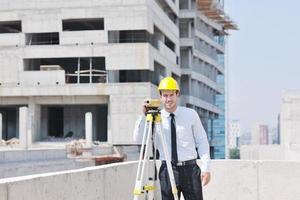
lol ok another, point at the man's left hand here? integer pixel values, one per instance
(205, 178)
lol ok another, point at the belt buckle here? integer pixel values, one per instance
(179, 164)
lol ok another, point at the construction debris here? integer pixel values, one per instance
(118, 156)
(76, 147)
(12, 142)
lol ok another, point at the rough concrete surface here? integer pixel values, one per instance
(231, 180)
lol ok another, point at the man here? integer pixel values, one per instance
(183, 133)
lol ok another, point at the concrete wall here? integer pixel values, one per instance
(102, 182)
(262, 152)
(15, 163)
(254, 180)
(7, 156)
(37, 167)
(234, 180)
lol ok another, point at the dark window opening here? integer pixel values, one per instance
(55, 121)
(129, 36)
(133, 36)
(136, 36)
(134, 76)
(143, 75)
(42, 38)
(158, 74)
(173, 17)
(212, 152)
(167, 10)
(169, 43)
(10, 122)
(10, 27)
(183, 4)
(68, 121)
(83, 24)
(77, 70)
(176, 77)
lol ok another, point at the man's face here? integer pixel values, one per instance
(169, 99)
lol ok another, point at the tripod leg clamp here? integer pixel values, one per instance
(137, 192)
(174, 190)
(149, 187)
(149, 118)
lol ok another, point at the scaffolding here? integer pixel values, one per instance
(214, 10)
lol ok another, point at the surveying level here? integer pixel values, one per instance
(152, 104)
(145, 186)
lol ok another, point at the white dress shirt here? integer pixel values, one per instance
(190, 135)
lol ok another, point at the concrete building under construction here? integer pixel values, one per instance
(69, 63)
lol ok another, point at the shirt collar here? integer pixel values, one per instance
(164, 113)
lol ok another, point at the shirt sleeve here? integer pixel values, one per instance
(139, 129)
(201, 143)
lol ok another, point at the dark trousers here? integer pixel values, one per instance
(187, 180)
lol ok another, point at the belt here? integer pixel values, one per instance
(182, 163)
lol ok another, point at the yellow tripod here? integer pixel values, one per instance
(145, 186)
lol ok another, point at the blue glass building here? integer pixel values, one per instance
(218, 124)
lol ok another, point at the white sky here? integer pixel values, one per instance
(263, 58)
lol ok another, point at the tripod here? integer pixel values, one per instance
(146, 186)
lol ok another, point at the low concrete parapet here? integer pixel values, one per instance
(114, 181)
(231, 180)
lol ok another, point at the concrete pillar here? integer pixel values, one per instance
(190, 29)
(23, 125)
(190, 57)
(34, 121)
(88, 129)
(0, 126)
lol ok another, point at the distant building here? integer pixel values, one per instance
(273, 136)
(259, 134)
(288, 134)
(234, 134)
(245, 138)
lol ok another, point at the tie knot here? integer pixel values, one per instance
(172, 115)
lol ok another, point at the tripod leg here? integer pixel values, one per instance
(168, 161)
(152, 168)
(139, 188)
(146, 128)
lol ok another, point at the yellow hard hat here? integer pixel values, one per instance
(168, 83)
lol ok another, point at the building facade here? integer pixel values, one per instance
(202, 49)
(61, 61)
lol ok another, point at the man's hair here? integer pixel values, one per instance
(177, 92)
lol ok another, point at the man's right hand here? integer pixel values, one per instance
(144, 106)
